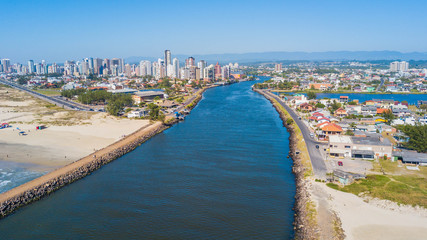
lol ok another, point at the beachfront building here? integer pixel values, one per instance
(370, 146)
(147, 96)
(138, 113)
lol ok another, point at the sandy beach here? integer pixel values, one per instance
(372, 219)
(69, 135)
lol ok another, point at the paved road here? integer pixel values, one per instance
(59, 101)
(319, 166)
(381, 84)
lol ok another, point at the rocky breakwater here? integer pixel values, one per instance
(305, 226)
(44, 185)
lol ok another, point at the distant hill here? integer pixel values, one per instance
(311, 56)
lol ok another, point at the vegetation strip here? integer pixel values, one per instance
(305, 225)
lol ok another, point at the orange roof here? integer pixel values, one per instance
(332, 127)
(340, 110)
(382, 110)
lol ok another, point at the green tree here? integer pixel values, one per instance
(334, 106)
(349, 132)
(320, 105)
(417, 137)
(388, 116)
(311, 95)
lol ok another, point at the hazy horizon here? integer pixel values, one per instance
(57, 31)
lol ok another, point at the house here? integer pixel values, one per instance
(382, 110)
(346, 178)
(331, 129)
(343, 99)
(411, 157)
(340, 112)
(138, 113)
(320, 86)
(168, 104)
(370, 103)
(401, 112)
(305, 107)
(369, 110)
(299, 99)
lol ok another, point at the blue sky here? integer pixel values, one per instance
(60, 30)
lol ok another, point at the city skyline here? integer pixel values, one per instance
(59, 31)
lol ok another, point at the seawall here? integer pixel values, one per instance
(50, 182)
(304, 226)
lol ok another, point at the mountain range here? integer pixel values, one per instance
(295, 56)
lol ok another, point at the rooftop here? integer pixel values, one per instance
(340, 139)
(372, 139)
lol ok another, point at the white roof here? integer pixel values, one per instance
(339, 139)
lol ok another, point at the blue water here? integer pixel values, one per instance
(362, 97)
(14, 174)
(220, 174)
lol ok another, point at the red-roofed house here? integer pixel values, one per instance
(382, 110)
(331, 129)
(343, 98)
(305, 107)
(340, 112)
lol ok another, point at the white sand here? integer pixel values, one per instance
(57, 146)
(375, 219)
(68, 137)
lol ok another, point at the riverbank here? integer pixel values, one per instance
(349, 92)
(305, 224)
(46, 184)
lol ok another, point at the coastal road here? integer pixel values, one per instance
(319, 166)
(54, 100)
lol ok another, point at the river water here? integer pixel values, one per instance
(221, 174)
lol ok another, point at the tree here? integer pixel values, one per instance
(320, 105)
(22, 80)
(349, 132)
(334, 106)
(289, 121)
(417, 137)
(388, 116)
(353, 125)
(311, 95)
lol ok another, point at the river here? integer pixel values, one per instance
(362, 97)
(221, 174)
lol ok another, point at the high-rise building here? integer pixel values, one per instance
(31, 68)
(404, 66)
(97, 66)
(189, 62)
(176, 68)
(399, 66)
(168, 61)
(6, 65)
(217, 69)
(202, 65)
(278, 67)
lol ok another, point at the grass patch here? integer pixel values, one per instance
(301, 145)
(48, 92)
(409, 190)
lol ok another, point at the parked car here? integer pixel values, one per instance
(317, 146)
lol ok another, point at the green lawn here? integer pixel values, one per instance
(48, 92)
(410, 190)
